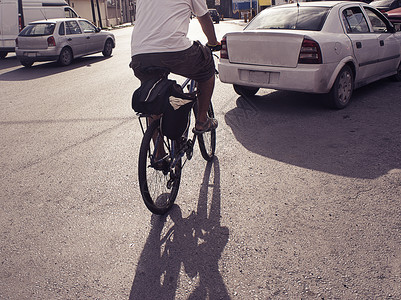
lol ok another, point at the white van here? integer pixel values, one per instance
(15, 14)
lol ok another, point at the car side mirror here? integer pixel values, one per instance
(98, 29)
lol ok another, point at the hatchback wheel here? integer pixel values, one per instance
(65, 57)
(26, 64)
(341, 92)
(3, 54)
(108, 48)
(245, 91)
(397, 77)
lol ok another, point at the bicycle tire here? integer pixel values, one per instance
(207, 140)
(153, 183)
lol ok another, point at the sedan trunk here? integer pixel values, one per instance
(281, 49)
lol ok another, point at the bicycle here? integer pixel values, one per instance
(160, 177)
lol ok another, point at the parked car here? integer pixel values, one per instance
(215, 15)
(315, 47)
(14, 15)
(386, 5)
(394, 16)
(61, 40)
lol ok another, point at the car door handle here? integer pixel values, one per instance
(358, 45)
(70, 39)
(381, 43)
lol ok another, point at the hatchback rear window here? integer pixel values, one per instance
(294, 17)
(38, 29)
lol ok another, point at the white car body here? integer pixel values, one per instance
(269, 58)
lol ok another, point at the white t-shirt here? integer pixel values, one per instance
(162, 25)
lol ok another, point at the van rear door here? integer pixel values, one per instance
(9, 26)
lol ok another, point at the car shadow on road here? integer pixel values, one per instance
(360, 141)
(185, 250)
(43, 69)
(9, 62)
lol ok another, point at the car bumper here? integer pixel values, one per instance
(313, 78)
(37, 55)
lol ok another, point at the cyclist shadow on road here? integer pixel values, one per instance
(184, 256)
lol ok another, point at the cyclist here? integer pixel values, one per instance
(159, 39)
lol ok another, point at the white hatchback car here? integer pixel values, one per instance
(314, 47)
(61, 40)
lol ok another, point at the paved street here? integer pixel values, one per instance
(301, 202)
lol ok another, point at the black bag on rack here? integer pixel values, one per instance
(152, 96)
(175, 119)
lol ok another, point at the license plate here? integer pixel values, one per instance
(259, 77)
(30, 54)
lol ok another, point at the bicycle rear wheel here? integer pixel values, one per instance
(207, 140)
(158, 182)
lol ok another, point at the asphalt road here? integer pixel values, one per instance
(301, 202)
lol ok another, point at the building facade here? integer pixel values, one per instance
(105, 13)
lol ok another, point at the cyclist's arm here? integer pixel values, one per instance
(208, 29)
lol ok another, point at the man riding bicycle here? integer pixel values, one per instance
(159, 39)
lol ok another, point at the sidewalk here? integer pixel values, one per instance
(236, 21)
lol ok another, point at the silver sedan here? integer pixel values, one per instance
(61, 40)
(314, 47)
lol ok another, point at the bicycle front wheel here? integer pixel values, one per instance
(159, 181)
(207, 140)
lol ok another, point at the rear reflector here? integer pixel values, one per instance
(310, 52)
(224, 50)
(51, 42)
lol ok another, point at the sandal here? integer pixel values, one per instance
(209, 125)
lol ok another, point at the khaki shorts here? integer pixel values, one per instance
(195, 63)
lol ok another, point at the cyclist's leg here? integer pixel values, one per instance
(203, 121)
(160, 151)
(205, 94)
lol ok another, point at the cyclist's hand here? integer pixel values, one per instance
(216, 47)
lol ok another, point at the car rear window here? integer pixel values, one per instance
(381, 2)
(38, 29)
(294, 17)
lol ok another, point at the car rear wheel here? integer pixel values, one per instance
(3, 54)
(108, 48)
(246, 91)
(397, 77)
(65, 57)
(341, 92)
(26, 64)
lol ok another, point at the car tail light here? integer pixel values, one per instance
(51, 42)
(224, 50)
(19, 23)
(310, 52)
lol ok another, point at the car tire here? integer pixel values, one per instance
(65, 57)
(108, 48)
(341, 92)
(26, 64)
(246, 91)
(397, 77)
(3, 54)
